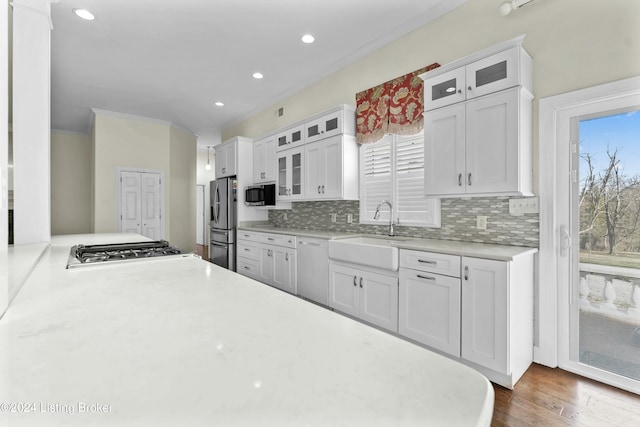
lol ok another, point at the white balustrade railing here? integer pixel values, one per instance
(610, 291)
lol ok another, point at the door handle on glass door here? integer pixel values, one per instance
(565, 245)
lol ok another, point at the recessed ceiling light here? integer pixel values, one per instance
(219, 103)
(257, 75)
(308, 38)
(84, 14)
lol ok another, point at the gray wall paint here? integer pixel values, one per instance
(458, 221)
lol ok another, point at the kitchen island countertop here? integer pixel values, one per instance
(184, 342)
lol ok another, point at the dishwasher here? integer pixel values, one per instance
(313, 269)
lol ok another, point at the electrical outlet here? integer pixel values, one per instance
(523, 206)
(349, 218)
(481, 222)
(334, 217)
(284, 216)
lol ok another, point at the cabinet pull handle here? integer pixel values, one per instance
(323, 189)
(318, 189)
(361, 282)
(466, 272)
(427, 261)
(270, 238)
(426, 277)
(460, 179)
(247, 249)
(469, 178)
(286, 257)
(355, 281)
(247, 268)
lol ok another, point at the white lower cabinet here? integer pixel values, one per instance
(366, 294)
(481, 312)
(485, 307)
(430, 309)
(269, 258)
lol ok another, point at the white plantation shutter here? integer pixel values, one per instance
(376, 179)
(392, 169)
(412, 206)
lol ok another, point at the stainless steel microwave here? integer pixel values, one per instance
(260, 195)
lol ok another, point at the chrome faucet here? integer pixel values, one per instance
(392, 224)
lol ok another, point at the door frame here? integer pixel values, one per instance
(555, 146)
(202, 187)
(118, 174)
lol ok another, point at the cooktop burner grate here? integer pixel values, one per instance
(81, 255)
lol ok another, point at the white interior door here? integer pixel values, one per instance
(200, 221)
(150, 205)
(141, 204)
(130, 206)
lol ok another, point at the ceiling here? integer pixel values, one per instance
(171, 60)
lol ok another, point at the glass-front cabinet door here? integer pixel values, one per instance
(494, 73)
(445, 89)
(290, 137)
(324, 127)
(290, 174)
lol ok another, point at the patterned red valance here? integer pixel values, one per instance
(393, 107)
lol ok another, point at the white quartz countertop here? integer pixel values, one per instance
(452, 247)
(182, 342)
(320, 234)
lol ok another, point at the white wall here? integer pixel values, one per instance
(31, 120)
(129, 142)
(4, 154)
(138, 143)
(70, 183)
(182, 184)
(574, 44)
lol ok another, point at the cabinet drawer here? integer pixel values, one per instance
(248, 267)
(249, 236)
(449, 265)
(248, 250)
(279, 240)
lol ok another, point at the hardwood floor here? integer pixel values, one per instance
(553, 397)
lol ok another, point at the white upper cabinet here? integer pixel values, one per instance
(290, 174)
(226, 155)
(328, 174)
(337, 122)
(290, 137)
(478, 125)
(264, 160)
(469, 78)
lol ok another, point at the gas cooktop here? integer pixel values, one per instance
(86, 255)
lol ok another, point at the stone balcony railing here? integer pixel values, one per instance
(610, 291)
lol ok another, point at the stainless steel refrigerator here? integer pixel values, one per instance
(222, 244)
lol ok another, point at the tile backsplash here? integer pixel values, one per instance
(458, 221)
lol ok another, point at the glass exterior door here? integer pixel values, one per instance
(605, 234)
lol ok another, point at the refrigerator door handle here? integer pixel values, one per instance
(217, 205)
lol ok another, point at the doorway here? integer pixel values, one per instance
(589, 233)
(141, 203)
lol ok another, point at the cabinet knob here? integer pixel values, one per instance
(459, 90)
(469, 88)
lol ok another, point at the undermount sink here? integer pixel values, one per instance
(376, 252)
